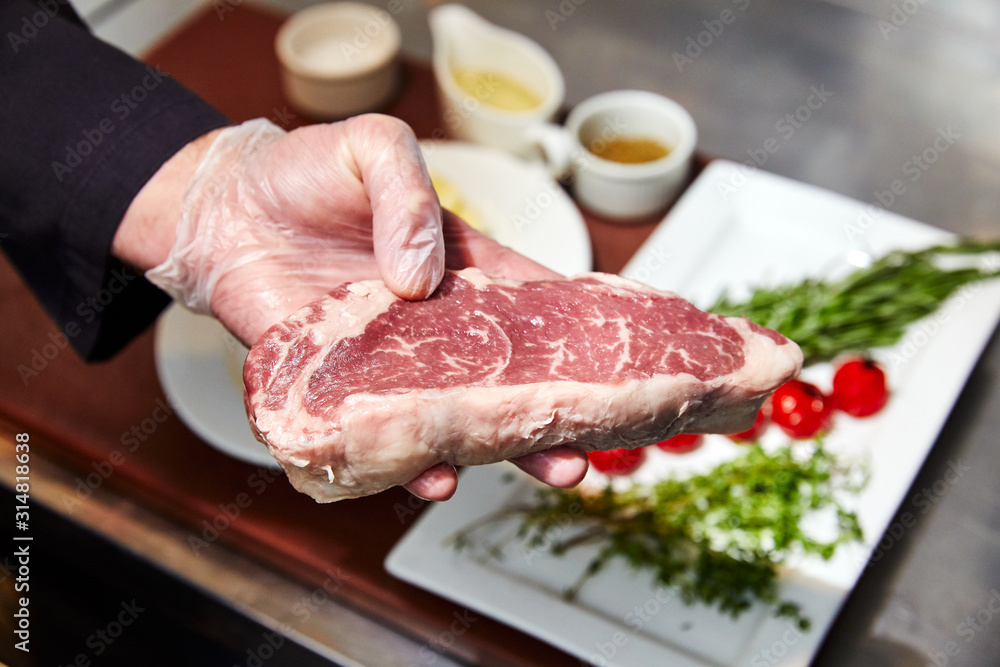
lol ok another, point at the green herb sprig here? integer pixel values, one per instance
(719, 538)
(869, 308)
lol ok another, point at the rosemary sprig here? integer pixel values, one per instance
(869, 308)
(719, 538)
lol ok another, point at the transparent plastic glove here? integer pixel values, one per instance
(273, 220)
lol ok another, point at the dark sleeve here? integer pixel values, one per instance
(83, 126)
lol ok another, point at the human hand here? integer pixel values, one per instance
(272, 220)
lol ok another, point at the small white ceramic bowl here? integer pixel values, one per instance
(338, 59)
(624, 191)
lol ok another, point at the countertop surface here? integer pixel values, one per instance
(860, 98)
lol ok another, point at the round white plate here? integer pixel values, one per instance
(517, 201)
(199, 362)
(200, 367)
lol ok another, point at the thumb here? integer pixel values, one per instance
(406, 216)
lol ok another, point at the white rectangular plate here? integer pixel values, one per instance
(733, 229)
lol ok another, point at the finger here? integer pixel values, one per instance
(406, 215)
(436, 483)
(562, 467)
(467, 247)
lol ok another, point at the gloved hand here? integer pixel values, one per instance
(272, 220)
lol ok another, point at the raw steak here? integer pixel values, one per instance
(360, 390)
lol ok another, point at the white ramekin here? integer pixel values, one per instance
(338, 59)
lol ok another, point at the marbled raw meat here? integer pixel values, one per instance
(360, 390)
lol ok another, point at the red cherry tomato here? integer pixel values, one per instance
(681, 444)
(859, 387)
(755, 431)
(617, 461)
(800, 409)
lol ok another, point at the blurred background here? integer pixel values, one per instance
(898, 72)
(893, 78)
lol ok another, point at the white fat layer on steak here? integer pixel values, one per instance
(377, 440)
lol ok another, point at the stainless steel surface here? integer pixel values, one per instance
(901, 75)
(893, 87)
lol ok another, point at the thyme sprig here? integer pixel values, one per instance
(719, 538)
(869, 308)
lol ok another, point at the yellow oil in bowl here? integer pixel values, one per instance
(497, 90)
